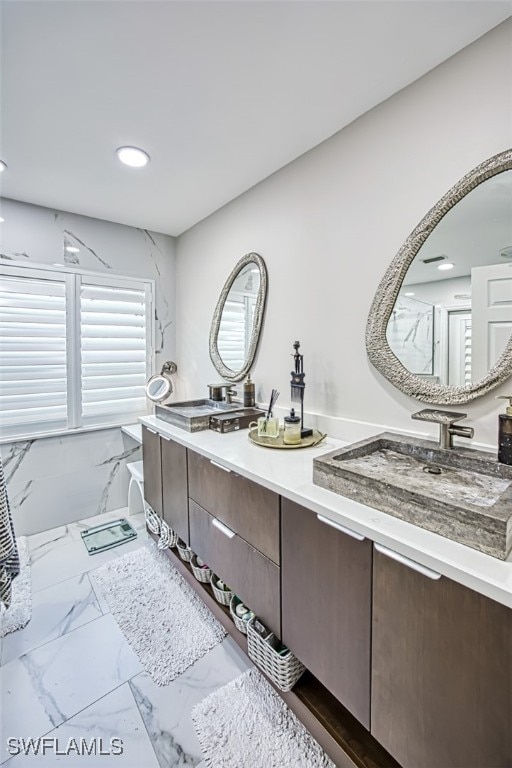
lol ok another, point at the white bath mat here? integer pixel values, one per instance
(160, 615)
(19, 612)
(246, 724)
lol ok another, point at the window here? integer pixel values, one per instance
(75, 349)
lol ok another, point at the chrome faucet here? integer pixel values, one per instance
(230, 393)
(216, 392)
(446, 421)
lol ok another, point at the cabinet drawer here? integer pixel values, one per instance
(175, 486)
(441, 671)
(249, 509)
(326, 594)
(152, 462)
(254, 578)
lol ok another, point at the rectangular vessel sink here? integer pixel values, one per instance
(461, 494)
(193, 415)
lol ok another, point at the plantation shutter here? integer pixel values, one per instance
(33, 366)
(115, 349)
(235, 330)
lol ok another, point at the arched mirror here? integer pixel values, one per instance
(237, 319)
(440, 326)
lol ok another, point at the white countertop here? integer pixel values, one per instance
(290, 474)
(134, 431)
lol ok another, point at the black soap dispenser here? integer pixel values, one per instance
(505, 432)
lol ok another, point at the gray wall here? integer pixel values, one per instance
(56, 480)
(328, 225)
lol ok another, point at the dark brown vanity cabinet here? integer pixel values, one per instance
(423, 663)
(175, 486)
(251, 575)
(326, 578)
(441, 671)
(166, 479)
(235, 528)
(152, 462)
(248, 508)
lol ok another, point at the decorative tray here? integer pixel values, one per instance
(277, 442)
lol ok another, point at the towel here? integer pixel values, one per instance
(9, 557)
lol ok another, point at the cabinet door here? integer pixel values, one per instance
(253, 577)
(246, 507)
(152, 463)
(326, 604)
(175, 486)
(441, 671)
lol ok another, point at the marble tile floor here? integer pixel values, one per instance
(69, 674)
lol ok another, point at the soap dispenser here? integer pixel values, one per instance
(505, 432)
(249, 393)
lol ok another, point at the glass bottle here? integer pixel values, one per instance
(291, 434)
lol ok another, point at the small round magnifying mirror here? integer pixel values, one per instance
(159, 387)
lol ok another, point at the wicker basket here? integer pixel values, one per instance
(222, 596)
(153, 522)
(240, 624)
(184, 551)
(283, 669)
(168, 537)
(201, 574)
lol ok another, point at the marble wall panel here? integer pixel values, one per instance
(57, 480)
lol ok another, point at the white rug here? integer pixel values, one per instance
(160, 615)
(19, 612)
(247, 724)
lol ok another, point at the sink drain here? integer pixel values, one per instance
(432, 470)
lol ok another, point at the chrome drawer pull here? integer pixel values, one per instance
(223, 528)
(407, 562)
(165, 438)
(341, 528)
(219, 466)
(151, 430)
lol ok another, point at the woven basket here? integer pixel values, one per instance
(153, 522)
(222, 596)
(168, 537)
(284, 670)
(184, 551)
(240, 624)
(201, 574)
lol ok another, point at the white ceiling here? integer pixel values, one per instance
(221, 94)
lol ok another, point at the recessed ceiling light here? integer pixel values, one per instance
(409, 293)
(3, 166)
(2, 219)
(72, 249)
(135, 158)
(447, 265)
